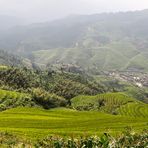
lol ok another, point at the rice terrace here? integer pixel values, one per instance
(36, 123)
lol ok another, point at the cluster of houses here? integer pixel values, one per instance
(139, 79)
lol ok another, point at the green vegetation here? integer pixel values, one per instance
(47, 100)
(128, 88)
(114, 103)
(136, 109)
(12, 60)
(127, 139)
(3, 67)
(104, 102)
(36, 123)
(64, 84)
(98, 58)
(11, 140)
(11, 99)
(138, 93)
(39, 98)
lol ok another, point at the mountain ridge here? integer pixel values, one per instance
(85, 40)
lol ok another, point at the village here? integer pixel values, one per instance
(137, 78)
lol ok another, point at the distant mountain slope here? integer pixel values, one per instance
(8, 59)
(107, 41)
(115, 56)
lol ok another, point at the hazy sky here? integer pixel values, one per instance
(44, 10)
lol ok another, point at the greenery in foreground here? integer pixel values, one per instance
(127, 139)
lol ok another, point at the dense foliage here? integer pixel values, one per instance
(9, 59)
(48, 100)
(49, 89)
(11, 99)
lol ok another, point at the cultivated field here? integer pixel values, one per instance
(112, 103)
(36, 123)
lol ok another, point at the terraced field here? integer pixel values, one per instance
(115, 103)
(36, 123)
(104, 56)
(134, 109)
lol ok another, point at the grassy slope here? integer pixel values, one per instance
(35, 123)
(116, 55)
(118, 103)
(139, 61)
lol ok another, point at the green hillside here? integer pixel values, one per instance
(114, 56)
(114, 103)
(36, 113)
(140, 61)
(9, 59)
(121, 55)
(11, 99)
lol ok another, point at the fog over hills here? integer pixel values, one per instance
(107, 41)
(8, 22)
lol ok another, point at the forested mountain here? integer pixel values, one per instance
(108, 41)
(8, 59)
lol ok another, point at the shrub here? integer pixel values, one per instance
(48, 100)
